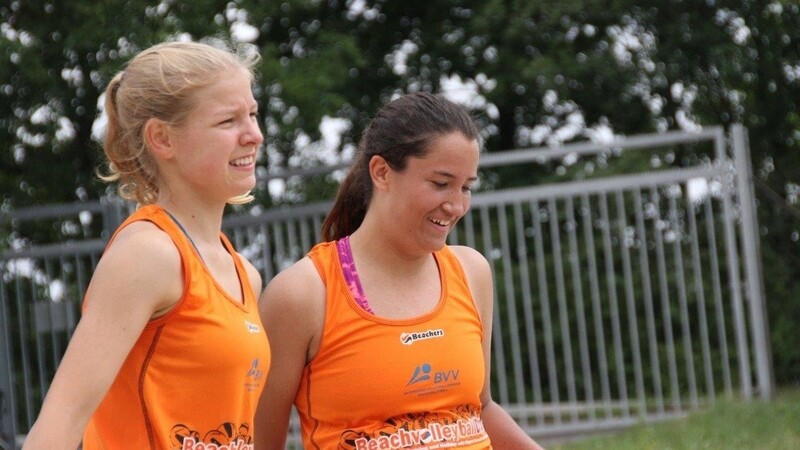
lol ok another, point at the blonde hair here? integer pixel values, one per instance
(160, 82)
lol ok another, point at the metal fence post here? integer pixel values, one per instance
(752, 261)
(7, 426)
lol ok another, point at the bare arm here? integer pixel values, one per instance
(292, 310)
(128, 287)
(504, 432)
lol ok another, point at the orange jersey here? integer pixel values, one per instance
(377, 383)
(193, 378)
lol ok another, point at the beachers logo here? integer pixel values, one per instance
(410, 338)
(251, 327)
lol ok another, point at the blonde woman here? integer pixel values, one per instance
(169, 352)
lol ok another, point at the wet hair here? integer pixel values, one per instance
(403, 128)
(161, 82)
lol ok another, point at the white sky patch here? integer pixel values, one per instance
(8, 32)
(42, 115)
(57, 290)
(332, 129)
(101, 121)
(468, 92)
(240, 30)
(686, 122)
(775, 8)
(276, 187)
(66, 130)
(734, 25)
(360, 8)
(21, 268)
(792, 73)
(600, 134)
(244, 32)
(398, 59)
(792, 193)
(697, 189)
(629, 41)
(328, 151)
(73, 77)
(685, 96)
(31, 139)
(563, 121)
(125, 48)
(85, 217)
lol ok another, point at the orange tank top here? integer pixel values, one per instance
(193, 378)
(377, 383)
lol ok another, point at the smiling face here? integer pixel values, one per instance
(215, 147)
(432, 193)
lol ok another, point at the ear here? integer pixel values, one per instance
(379, 172)
(158, 137)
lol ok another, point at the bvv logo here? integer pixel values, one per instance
(424, 372)
(421, 373)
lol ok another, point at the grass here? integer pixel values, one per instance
(726, 425)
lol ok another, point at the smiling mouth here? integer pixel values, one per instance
(244, 161)
(441, 223)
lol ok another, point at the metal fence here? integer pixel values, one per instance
(621, 299)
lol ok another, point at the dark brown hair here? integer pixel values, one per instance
(402, 128)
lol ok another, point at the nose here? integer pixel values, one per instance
(251, 135)
(457, 205)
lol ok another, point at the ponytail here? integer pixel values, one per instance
(350, 205)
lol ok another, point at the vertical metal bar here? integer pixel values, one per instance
(599, 333)
(23, 345)
(293, 249)
(663, 289)
(701, 301)
(544, 298)
(633, 326)
(317, 219)
(511, 310)
(305, 235)
(716, 286)
(527, 307)
(82, 282)
(612, 293)
(732, 254)
(281, 254)
(686, 330)
(563, 313)
(49, 278)
(235, 236)
(37, 338)
(580, 312)
(267, 258)
(752, 262)
(452, 237)
(8, 400)
(469, 226)
(647, 294)
(497, 331)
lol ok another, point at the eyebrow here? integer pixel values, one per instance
(229, 110)
(444, 173)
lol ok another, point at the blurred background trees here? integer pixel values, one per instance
(534, 73)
